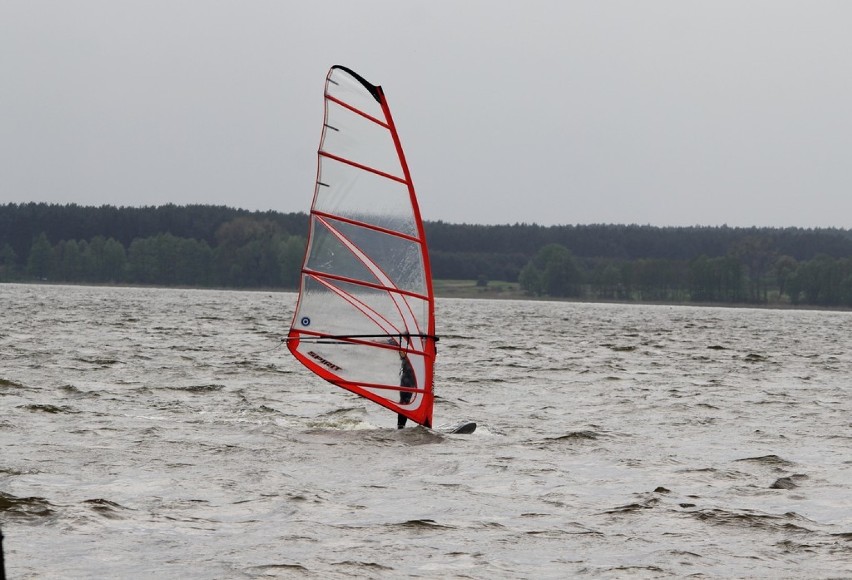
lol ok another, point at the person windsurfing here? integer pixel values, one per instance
(406, 379)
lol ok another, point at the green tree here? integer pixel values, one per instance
(606, 278)
(531, 280)
(818, 282)
(142, 262)
(87, 262)
(660, 279)
(702, 280)
(42, 261)
(784, 269)
(757, 255)
(553, 271)
(290, 254)
(716, 279)
(246, 253)
(194, 262)
(113, 261)
(8, 260)
(95, 258)
(70, 261)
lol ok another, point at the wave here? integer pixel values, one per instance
(25, 507)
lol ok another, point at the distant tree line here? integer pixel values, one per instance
(750, 273)
(200, 245)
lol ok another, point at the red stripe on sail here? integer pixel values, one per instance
(362, 166)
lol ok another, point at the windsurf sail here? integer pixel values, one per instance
(365, 303)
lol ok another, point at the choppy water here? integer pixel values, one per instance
(165, 433)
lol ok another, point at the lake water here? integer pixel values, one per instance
(150, 433)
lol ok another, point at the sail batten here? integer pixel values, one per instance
(364, 224)
(356, 111)
(319, 275)
(366, 306)
(378, 172)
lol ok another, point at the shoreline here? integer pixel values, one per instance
(467, 290)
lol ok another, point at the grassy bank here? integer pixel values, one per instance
(470, 289)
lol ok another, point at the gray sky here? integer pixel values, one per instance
(562, 112)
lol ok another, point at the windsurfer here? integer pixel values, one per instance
(406, 379)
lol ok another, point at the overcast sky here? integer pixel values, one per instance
(562, 112)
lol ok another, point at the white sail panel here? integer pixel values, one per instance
(354, 251)
(360, 140)
(335, 308)
(342, 85)
(364, 197)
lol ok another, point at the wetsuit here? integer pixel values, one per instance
(406, 379)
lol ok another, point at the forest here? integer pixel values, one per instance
(217, 246)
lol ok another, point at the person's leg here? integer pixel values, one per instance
(404, 398)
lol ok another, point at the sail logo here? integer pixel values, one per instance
(305, 321)
(324, 361)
